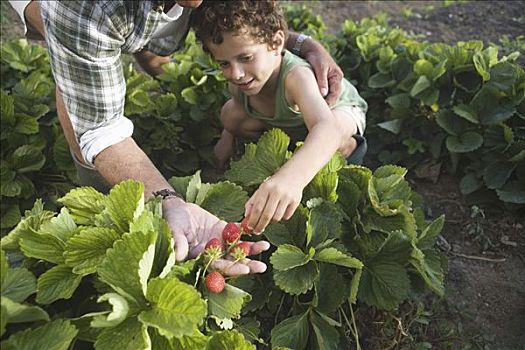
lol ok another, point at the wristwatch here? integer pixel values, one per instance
(167, 193)
(299, 43)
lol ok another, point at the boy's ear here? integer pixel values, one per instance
(278, 40)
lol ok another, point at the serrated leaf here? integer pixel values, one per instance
(466, 112)
(430, 268)
(470, 183)
(17, 283)
(226, 201)
(228, 303)
(129, 334)
(384, 285)
(28, 158)
(21, 313)
(427, 238)
(291, 231)
(298, 280)
(59, 282)
(325, 223)
(196, 341)
(62, 226)
(326, 335)
(176, 309)
(55, 335)
(288, 256)
(30, 222)
(42, 246)
(118, 313)
(293, 332)
(124, 204)
(261, 160)
(333, 256)
(85, 251)
(331, 289)
(227, 340)
(84, 203)
(466, 142)
(128, 263)
(497, 174)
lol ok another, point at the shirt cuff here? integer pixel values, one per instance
(94, 141)
(20, 7)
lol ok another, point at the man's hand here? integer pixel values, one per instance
(193, 227)
(327, 73)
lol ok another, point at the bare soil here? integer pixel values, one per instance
(486, 249)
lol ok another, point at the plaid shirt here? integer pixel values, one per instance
(85, 41)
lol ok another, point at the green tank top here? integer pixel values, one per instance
(286, 117)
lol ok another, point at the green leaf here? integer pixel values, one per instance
(59, 282)
(333, 256)
(42, 246)
(331, 289)
(225, 200)
(394, 126)
(421, 85)
(326, 335)
(449, 122)
(427, 238)
(228, 303)
(292, 332)
(381, 80)
(30, 222)
(287, 257)
(190, 95)
(62, 226)
(261, 160)
(291, 231)
(498, 173)
(466, 142)
(124, 204)
(227, 340)
(298, 280)
(118, 313)
(84, 203)
(55, 335)
(512, 192)
(177, 308)
(17, 284)
(27, 158)
(196, 341)
(7, 109)
(470, 183)
(496, 114)
(429, 266)
(4, 267)
(384, 285)
(85, 251)
(11, 217)
(26, 124)
(20, 313)
(128, 264)
(325, 222)
(466, 112)
(129, 334)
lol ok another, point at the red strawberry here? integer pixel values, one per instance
(215, 282)
(214, 243)
(213, 249)
(241, 250)
(231, 233)
(244, 226)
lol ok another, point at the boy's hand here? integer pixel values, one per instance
(274, 200)
(193, 227)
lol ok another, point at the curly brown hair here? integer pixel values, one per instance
(260, 19)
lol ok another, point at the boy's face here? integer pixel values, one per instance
(247, 64)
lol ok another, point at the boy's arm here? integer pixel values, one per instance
(328, 74)
(278, 197)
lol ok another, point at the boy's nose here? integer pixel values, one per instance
(237, 74)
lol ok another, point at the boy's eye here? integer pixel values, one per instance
(223, 64)
(245, 58)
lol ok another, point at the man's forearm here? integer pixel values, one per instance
(125, 160)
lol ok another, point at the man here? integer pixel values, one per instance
(85, 40)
